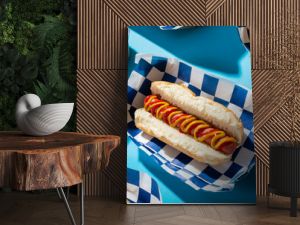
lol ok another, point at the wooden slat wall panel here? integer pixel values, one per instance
(279, 84)
(159, 12)
(296, 127)
(273, 116)
(211, 6)
(262, 178)
(104, 34)
(277, 128)
(101, 107)
(102, 64)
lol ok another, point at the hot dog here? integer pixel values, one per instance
(199, 127)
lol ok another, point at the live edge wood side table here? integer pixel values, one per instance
(52, 162)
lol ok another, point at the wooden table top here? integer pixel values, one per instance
(57, 160)
(16, 141)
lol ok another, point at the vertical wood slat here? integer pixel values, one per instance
(102, 54)
(262, 178)
(102, 37)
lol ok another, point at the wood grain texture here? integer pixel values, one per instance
(56, 160)
(102, 60)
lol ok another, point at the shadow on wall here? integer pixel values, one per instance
(211, 51)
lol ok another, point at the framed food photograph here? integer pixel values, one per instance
(190, 134)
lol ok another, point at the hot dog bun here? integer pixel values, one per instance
(171, 136)
(201, 107)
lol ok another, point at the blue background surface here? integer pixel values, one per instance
(216, 50)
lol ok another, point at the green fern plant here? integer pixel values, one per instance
(54, 44)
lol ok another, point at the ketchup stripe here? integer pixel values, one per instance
(188, 124)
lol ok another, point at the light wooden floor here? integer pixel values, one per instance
(45, 209)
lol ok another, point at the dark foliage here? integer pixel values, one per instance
(37, 54)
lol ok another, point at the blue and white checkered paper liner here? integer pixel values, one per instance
(243, 32)
(198, 175)
(141, 188)
(170, 27)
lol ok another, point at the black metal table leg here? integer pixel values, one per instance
(67, 193)
(62, 195)
(293, 210)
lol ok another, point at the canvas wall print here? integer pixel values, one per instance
(190, 135)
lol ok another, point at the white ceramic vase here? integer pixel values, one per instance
(40, 120)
